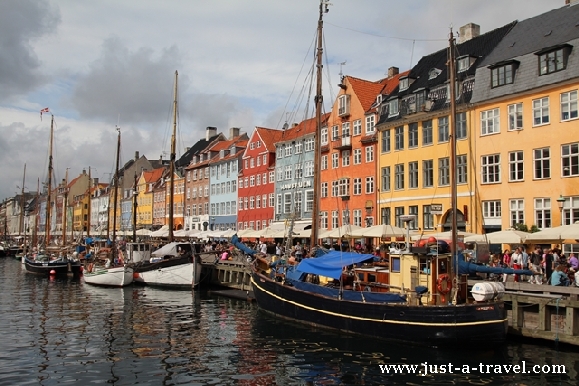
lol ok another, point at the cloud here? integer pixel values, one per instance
(21, 22)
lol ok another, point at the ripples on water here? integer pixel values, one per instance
(65, 332)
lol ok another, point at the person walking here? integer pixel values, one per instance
(516, 259)
(537, 276)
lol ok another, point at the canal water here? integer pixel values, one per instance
(66, 332)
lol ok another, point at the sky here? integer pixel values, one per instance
(98, 65)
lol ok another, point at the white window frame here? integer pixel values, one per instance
(515, 113)
(569, 106)
(541, 113)
(490, 121)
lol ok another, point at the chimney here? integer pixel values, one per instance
(468, 32)
(136, 156)
(233, 132)
(210, 132)
(393, 71)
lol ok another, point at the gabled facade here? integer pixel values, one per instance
(350, 153)
(256, 185)
(223, 174)
(526, 125)
(414, 144)
(99, 204)
(294, 171)
(146, 182)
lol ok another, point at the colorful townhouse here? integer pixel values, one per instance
(349, 158)
(256, 187)
(525, 125)
(144, 195)
(223, 174)
(196, 170)
(294, 174)
(99, 207)
(414, 147)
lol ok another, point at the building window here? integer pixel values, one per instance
(502, 75)
(427, 218)
(553, 61)
(344, 187)
(569, 105)
(516, 166)
(357, 156)
(309, 144)
(288, 172)
(543, 213)
(542, 162)
(357, 213)
(413, 135)
(491, 168)
(570, 160)
(491, 209)
(288, 150)
(324, 136)
(386, 141)
(287, 203)
(310, 200)
(570, 211)
(399, 138)
(299, 148)
(461, 126)
(413, 210)
(443, 133)
(490, 122)
(345, 129)
(335, 160)
(413, 174)
(298, 202)
(357, 127)
(461, 169)
(324, 220)
(370, 124)
(517, 211)
(444, 171)
(357, 186)
(398, 212)
(369, 153)
(399, 176)
(324, 162)
(393, 107)
(369, 185)
(309, 169)
(427, 132)
(324, 192)
(335, 219)
(386, 216)
(515, 116)
(346, 158)
(298, 172)
(386, 179)
(541, 111)
(427, 173)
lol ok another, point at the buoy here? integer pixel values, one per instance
(432, 240)
(52, 272)
(135, 275)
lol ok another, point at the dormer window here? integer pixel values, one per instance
(344, 105)
(553, 59)
(433, 73)
(393, 107)
(463, 63)
(503, 73)
(232, 149)
(221, 153)
(379, 99)
(404, 84)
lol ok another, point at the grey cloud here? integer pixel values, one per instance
(22, 21)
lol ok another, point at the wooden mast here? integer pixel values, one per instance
(89, 203)
(64, 205)
(317, 137)
(49, 186)
(35, 229)
(21, 225)
(172, 165)
(116, 190)
(453, 187)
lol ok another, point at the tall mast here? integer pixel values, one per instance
(21, 225)
(64, 205)
(35, 230)
(49, 185)
(89, 203)
(317, 138)
(453, 187)
(135, 209)
(116, 190)
(172, 165)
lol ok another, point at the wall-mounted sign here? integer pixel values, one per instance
(301, 184)
(436, 208)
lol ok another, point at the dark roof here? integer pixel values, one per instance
(193, 150)
(478, 47)
(536, 33)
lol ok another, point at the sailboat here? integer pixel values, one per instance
(108, 268)
(43, 262)
(174, 265)
(362, 298)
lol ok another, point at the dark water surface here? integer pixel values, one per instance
(66, 332)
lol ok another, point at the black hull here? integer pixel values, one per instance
(145, 266)
(471, 325)
(59, 267)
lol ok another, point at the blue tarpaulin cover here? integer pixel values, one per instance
(331, 264)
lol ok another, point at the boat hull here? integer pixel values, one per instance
(54, 267)
(171, 273)
(472, 325)
(110, 277)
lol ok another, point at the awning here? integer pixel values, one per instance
(332, 263)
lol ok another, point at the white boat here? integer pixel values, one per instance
(109, 277)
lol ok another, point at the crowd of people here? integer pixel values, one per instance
(549, 266)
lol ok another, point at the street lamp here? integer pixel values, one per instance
(560, 203)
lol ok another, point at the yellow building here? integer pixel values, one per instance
(145, 185)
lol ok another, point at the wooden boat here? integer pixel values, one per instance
(413, 295)
(108, 268)
(174, 265)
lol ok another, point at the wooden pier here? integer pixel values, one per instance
(534, 311)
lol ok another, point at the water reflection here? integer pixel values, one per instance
(64, 331)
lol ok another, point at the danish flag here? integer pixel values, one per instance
(44, 110)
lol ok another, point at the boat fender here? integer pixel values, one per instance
(443, 289)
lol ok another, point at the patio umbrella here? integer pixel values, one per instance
(380, 231)
(440, 235)
(555, 234)
(507, 236)
(343, 231)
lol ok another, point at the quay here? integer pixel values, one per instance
(534, 311)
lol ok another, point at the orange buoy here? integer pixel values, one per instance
(135, 275)
(52, 272)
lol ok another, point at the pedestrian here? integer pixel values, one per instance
(548, 264)
(506, 263)
(525, 263)
(516, 259)
(299, 251)
(536, 259)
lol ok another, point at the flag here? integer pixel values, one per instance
(44, 110)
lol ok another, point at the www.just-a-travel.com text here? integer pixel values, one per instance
(425, 369)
